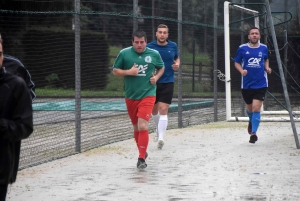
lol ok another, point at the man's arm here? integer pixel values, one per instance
(176, 64)
(159, 73)
(23, 73)
(20, 126)
(121, 73)
(240, 69)
(267, 68)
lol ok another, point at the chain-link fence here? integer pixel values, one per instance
(69, 49)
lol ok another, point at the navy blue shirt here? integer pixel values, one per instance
(168, 54)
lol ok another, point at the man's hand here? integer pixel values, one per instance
(134, 70)
(153, 79)
(244, 72)
(269, 70)
(175, 65)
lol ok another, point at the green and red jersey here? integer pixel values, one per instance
(139, 86)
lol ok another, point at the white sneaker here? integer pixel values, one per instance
(155, 139)
(160, 144)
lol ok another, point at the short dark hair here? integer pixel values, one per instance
(252, 29)
(163, 26)
(139, 34)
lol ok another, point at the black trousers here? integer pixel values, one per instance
(3, 191)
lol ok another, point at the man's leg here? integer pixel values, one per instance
(143, 137)
(164, 102)
(143, 140)
(3, 191)
(155, 115)
(136, 137)
(249, 113)
(256, 105)
(144, 113)
(163, 123)
(248, 98)
(132, 108)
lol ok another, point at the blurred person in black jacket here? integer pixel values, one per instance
(15, 66)
(16, 124)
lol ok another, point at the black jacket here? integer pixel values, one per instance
(16, 123)
(14, 66)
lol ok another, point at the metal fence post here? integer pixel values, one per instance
(193, 81)
(243, 106)
(200, 72)
(77, 78)
(153, 14)
(286, 95)
(135, 12)
(215, 61)
(180, 124)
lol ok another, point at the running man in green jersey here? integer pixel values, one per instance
(137, 65)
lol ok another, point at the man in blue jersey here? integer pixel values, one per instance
(165, 84)
(252, 62)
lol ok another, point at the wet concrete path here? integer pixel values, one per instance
(208, 162)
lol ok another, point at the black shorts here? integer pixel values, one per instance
(164, 92)
(250, 94)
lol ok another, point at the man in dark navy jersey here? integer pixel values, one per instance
(165, 85)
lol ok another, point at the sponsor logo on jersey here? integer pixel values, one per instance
(142, 70)
(254, 62)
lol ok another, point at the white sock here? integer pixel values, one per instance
(162, 126)
(156, 119)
